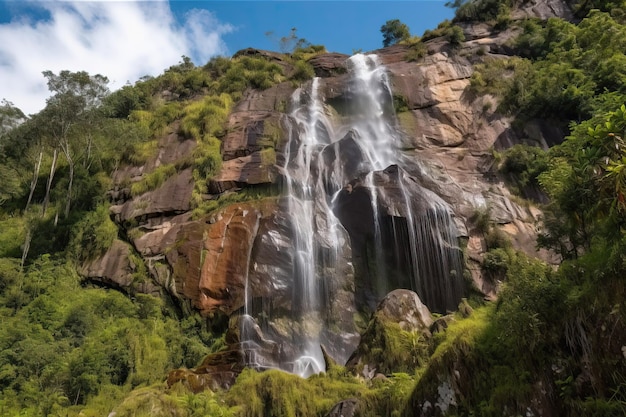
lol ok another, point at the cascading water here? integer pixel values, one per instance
(346, 176)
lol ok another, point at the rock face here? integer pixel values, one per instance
(239, 260)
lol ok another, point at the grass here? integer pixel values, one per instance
(249, 194)
(461, 335)
(153, 180)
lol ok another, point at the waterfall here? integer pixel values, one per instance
(344, 175)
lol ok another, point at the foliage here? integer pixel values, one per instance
(278, 394)
(569, 68)
(391, 348)
(302, 71)
(586, 184)
(495, 11)
(92, 235)
(206, 117)
(248, 72)
(417, 50)
(71, 345)
(453, 33)
(522, 165)
(394, 31)
(250, 193)
(10, 117)
(289, 43)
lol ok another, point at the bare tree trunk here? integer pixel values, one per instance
(87, 160)
(46, 199)
(33, 182)
(69, 188)
(26, 248)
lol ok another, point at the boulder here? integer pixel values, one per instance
(115, 268)
(391, 341)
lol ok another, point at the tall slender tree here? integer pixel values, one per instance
(71, 114)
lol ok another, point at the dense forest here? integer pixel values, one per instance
(70, 346)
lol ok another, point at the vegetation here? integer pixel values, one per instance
(523, 164)
(453, 33)
(69, 347)
(394, 31)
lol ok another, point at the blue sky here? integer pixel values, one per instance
(125, 40)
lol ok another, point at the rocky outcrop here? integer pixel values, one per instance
(328, 65)
(389, 344)
(210, 260)
(172, 198)
(114, 268)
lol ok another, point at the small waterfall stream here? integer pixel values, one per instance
(343, 175)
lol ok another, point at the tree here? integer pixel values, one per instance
(289, 43)
(10, 117)
(394, 31)
(71, 114)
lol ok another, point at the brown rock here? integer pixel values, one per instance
(330, 64)
(173, 197)
(227, 249)
(114, 268)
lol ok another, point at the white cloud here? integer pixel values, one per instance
(123, 40)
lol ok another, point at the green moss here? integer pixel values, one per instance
(408, 123)
(400, 103)
(392, 349)
(268, 156)
(278, 394)
(272, 134)
(153, 180)
(248, 194)
(460, 336)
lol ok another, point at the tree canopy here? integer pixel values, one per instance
(394, 31)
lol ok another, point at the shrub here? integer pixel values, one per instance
(455, 35)
(206, 117)
(524, 163)
(302, 71)
(92, 235)
(249, 72)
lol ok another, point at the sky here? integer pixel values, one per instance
(126, 40)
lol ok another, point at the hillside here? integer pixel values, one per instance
(432, 228)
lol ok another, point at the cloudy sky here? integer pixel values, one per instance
(125, 40)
